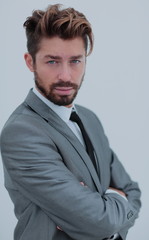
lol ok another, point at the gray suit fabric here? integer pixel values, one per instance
(44, 164)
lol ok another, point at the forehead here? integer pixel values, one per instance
(63, 48)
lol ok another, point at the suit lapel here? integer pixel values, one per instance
(62, 127)
(56, 122)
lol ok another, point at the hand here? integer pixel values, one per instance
(82, 183)
(59, 228)
(119, 191)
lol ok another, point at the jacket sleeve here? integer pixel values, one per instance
(121, 180)
(39, 173)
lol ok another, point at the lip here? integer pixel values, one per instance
(64, 90)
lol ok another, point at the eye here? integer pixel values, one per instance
(75, 61)
(52, 62)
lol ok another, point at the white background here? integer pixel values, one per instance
(115, 87)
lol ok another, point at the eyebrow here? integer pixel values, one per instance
(59, 58)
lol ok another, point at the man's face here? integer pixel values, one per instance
(59, 68)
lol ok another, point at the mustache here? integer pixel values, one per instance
(64, 84)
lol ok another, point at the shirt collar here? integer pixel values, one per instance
(62, 111)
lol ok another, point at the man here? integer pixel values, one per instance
(63, 178)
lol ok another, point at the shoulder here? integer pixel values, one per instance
(22, 121)
(87, 113)
(84, 110)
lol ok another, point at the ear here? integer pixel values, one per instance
(29, 61)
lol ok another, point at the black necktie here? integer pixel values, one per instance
(89, 147)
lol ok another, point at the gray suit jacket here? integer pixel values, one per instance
(44, 164)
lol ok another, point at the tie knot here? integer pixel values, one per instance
(74, 117)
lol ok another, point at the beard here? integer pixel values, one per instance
(63, 100)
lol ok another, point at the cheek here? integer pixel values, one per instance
(82, 70)
(45, 75)
(81, 74)
(79, 70)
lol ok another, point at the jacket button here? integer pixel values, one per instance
(130, 214)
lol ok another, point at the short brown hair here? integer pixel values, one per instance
(64, 23)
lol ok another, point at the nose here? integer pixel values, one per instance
(64, 73)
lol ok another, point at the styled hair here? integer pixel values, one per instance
(64, 23)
